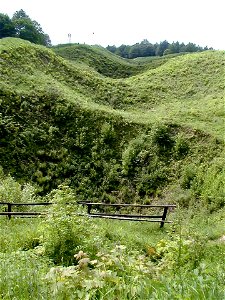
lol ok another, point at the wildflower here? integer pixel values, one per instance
(80, 255)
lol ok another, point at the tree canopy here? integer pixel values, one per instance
(23, 27)
(145, 48)
(6, 26)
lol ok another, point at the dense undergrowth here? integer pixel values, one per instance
(66, 256)
(69, 131)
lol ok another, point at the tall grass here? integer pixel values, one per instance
(112, 259)
(178, 262)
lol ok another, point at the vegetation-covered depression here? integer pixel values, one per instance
(72, 127)
(133, 138)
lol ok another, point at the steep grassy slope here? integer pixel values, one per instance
(101, 60)
(108, 137)
(107, 63)
(192, 76)
(50, 126)
(186, 89)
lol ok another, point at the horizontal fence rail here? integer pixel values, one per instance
(10, 205)
(90, 205)
(129, 217)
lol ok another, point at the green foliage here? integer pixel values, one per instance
(96, 58)
(60, 236)
(21, 274)
(147, 160)
(21, 26)
(181, 147)
(64, 231)
(6, 26)
(166, 269)
(14, 192)
(156, 136)
(99, 59)
(209, 184)
(130, 155)
(204, 183)
(129, 260)
(95, 277)
(61, 122)
(145, 48)
(188, 175)
(162, 138)
(185, 81)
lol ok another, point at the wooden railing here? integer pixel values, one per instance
(131, 217)
(9, 209)
(98, 214)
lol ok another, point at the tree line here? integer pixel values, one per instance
(21, 26)
(145, 48)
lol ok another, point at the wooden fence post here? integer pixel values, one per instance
(164, 216)
(89, 208)
(9, 210)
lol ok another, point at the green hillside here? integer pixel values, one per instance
(106, 63)
(147, 136)
(99, 59)
(74, 128)
(188, 89)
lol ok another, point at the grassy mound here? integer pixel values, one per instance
(99, 59)
(186, 89)
(106, 63)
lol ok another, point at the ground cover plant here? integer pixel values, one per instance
(87, 125)
(106, 63)
(66, 256)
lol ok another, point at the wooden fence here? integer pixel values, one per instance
(98, 211)
(130, 217)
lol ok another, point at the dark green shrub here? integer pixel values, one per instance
(152, 179)
(188, 175)
(130, 159)
(162, 138)
(181, 147)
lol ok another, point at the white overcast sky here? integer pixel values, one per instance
(116, 22)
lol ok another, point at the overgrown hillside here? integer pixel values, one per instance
(154, 135)
(187, 89)
(107, 63)
(101, 60)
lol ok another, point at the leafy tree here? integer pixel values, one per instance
(123, 51)
(161, 48)
(6, 26)
(29, 30)
(135, 51)
(182, 47)
(145, 48)
(173, 48)
(111, 48)
(190, 47)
